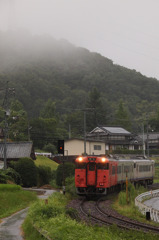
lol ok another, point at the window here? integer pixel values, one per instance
(127, 169)
(80, 165)
(104, 166)
(92, 166)
(113, 170)
(119, 169)
(97, 147)
(144, 168)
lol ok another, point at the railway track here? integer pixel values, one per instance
(94, 213)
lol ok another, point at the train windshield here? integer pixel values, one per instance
(103, 166)
(80, 165)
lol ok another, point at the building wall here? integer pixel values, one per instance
(76, 147)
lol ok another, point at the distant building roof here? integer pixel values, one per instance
(151, 136)
(16, 150)
(111, 130)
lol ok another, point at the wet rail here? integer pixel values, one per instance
(105, 216)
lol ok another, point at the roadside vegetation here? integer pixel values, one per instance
(58, 222)
(13, 198)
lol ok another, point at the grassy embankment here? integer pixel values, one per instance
(44, 161)
(54, 219)
(13, 199)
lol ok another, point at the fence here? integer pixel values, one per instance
(147, 210)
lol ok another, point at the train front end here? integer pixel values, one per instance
(91, 175)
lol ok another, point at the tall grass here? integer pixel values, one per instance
(44, 161)
(13, 199)
(10, 187)
(54, 221)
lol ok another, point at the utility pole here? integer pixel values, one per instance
(143, 141)
(148, 152)
(85, 110)
(7, 113)
(84, 132)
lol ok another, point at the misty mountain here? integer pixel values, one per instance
(41, 67)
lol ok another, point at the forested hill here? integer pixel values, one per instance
(42, 68)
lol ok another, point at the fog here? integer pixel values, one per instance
(124, 31)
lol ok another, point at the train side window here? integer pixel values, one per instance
(119, 169)
(134, 165)
(113, 170)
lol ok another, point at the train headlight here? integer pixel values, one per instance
(103, 160)
(80, 159)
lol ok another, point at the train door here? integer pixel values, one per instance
(91, 174)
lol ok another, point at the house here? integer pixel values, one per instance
(152, 138)
(16, 150)
(75, 147)
(116, 138)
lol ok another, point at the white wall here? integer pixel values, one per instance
(76, 147)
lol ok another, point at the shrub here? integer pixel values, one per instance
(10, 187)
(28, 171)
(68, 169)
(44, 175)
(70, 186)
(50, 148)
(15, 176)
(3, 177)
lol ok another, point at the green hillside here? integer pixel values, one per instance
(42, 68)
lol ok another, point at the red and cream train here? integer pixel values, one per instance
(99, 175)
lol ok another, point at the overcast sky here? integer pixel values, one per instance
(125, 31)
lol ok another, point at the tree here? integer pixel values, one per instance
(49, 110)
(17, 122)
(122, 117)
(96, 114)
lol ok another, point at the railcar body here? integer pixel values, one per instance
(98, 175)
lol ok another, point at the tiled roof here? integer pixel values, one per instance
(16, 150)
(111, 130)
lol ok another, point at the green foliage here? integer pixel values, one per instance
(3, 177)
(10, 187)
(131, 195)
(44, 175)
(70, 186)
(122, 117)
(28, 172)
(61, 224)
(14, 175)
(67, 169)
(50, 148)
(96, 113)
(13, 199)
(52, 83)
(44, 161)
(18, 122)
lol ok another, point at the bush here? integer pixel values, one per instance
(70, 186)
(50, 148)
(44, 175)
(69, 170)
(3, 177)
(15, 176)
(28, 171)
(10, 187)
